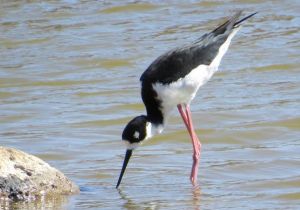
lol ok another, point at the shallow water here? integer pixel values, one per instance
(69, 74)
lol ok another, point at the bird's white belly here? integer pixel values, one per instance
(183, 90)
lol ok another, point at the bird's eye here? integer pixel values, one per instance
(136, 134)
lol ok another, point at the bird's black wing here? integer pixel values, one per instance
(177, 63)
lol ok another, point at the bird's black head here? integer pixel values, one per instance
(137, 130)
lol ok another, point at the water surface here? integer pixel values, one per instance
(69, 74)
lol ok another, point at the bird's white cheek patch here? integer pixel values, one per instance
(149, 133)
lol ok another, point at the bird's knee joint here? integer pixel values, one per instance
(196, 156)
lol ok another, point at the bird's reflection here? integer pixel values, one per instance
(196, 192)
(131, 204)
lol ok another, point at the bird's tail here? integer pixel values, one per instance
(233, 22)
(236, 24)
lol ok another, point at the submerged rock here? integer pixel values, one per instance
(26, 177)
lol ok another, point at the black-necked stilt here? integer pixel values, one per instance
(173, 80)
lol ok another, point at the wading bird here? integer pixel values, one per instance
(173, 80)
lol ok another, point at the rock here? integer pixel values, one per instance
(26, 177)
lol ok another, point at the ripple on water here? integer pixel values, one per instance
(69, 83)
(140, 7)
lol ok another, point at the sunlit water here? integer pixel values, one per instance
(69, 73)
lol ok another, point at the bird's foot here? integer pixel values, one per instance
(194, 171)
(194, 181)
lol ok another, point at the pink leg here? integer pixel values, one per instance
(196, 147)
(183, 115)
(187, 118)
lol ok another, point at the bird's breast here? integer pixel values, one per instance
(183, 90)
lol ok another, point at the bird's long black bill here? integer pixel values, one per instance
(126, 160)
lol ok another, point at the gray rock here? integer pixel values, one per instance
(26, 177)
